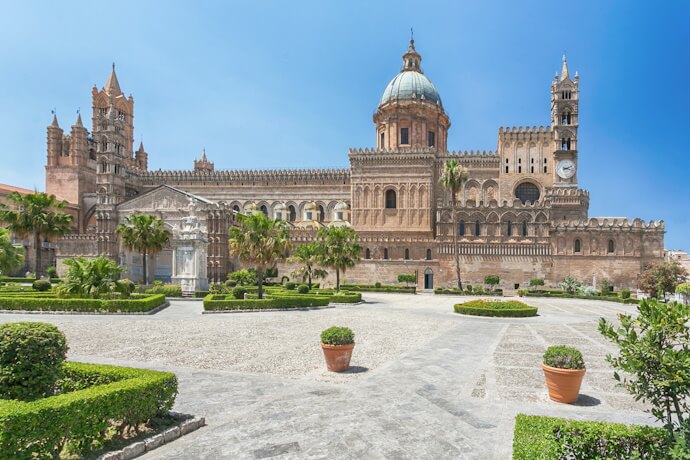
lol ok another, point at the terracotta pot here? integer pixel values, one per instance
(337, 356)
(563, 384)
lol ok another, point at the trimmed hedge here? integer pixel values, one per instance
(537, 437)
(381, 288)
(509, 308)
(221, 302)
(563, 295)
(455, 291)
(145, 304)
(40, 428)
(168, 290)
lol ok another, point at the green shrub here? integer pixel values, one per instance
(537, 437)
(290, 285)
(377, 284)
(682, 288)
(536, 282)
(220, 303)
(168, 290)
(337, 336)
(238, 292)
(39, 429)
(30, 359)
(492, 280)
(509, 308)
(51, 272)
(243, 277)
(563, 357)
(201, 294)
(41, 285)
(345, 297)
(625, 294)
(468, 288)
(381, 288)
(407, 278)
(126, 286)
(144, 304)
(302, 289)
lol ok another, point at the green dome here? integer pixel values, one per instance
(411, 84)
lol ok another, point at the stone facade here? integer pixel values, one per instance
(520, 215)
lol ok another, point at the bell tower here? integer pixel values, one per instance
(565, 97)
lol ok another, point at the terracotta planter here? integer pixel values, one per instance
(563, 384)
(337, 356)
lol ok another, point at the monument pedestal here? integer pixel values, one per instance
(190, 245)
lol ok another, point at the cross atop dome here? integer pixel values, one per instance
(412, 60)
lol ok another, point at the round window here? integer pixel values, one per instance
(527, 191)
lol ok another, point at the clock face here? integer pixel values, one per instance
(565, 169)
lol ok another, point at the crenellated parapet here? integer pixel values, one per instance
(230, 177)
(525, 133)
(610, 223)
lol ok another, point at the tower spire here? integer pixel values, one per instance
(112, 86)
(54, 123)
(412, 59)
(564, 69)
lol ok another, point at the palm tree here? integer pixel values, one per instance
(308, 256)
(260, 242)
(146, 234)
(453, 178)
(11, 255)
(38, 215)
(339, 249)
(91, 277)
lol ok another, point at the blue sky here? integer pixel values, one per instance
(294, 84)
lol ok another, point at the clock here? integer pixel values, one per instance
(565, 169)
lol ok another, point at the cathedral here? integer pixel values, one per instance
(520, 215)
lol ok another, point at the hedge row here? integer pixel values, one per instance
(39, 429)
(144, 304)
(563, 295)
(382, 288)
(221, 302)
(506, 309)
(9, 279)
(537, 437)
(456, 291)
(168, 290)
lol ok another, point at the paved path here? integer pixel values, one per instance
(454, 395)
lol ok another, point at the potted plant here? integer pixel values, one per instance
(337, 344)
(564, 369)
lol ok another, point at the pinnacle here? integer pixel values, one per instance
(78, 123)
(112, 86)
(54, 123)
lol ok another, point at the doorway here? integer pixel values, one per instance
(428, 279)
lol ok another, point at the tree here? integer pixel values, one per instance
(570, 285)
(146, 234)
(243, 277)
(492, 280)
(92, 277)
(654, 352)
(11, 255)
(308, 256)
(38, 215)
(407, 278)
(339, 249)
(661, 277)
(259, 241)
(453, 178)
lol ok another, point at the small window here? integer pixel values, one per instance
(428, 254)
(292, 216)
(519, 169)
(236, 208)
(264, 210)
(310, 215)
(390, 199)
(524, 228)
(531, 169)
(431, 139)
(461, 228)
(382, 137)
(506, 169)
(338, 216)
(611, 247)
(385, 253)
(407, 254)
(578, 246)
(405, 136)
(565, 143)
(510, 228)
(321, 213)
(477, 229)
(367, 253)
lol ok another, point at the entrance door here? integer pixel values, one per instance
(428, 279)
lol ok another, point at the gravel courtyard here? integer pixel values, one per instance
(425, 382)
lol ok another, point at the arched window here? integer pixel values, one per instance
(390, 199)
(477, 229)
(461, 228)
(407, 254)
(611, 247)
(428, 254)
(321, 213)
(510, 228)
(367, 253)
(527, 191)
(264, 209)
(385, 253)
(292, 214)
(524, 228)
(578, 246)
(236, 208)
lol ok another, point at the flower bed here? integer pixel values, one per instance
(96, 398)
(509, 308)
(545, 437)
(33, 303)
(216, 302)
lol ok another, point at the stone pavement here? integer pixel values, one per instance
(453, 396)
